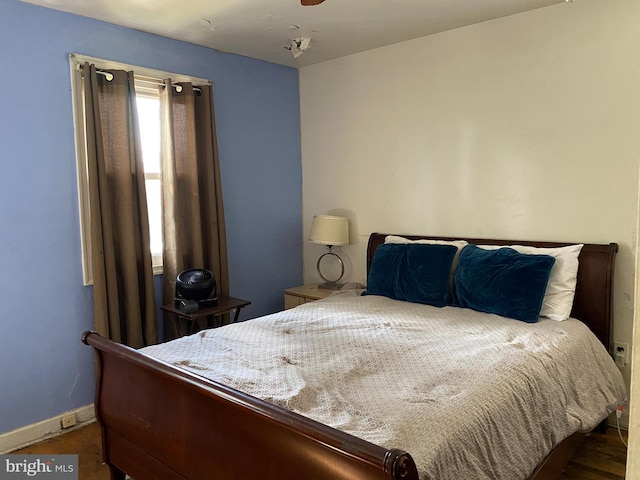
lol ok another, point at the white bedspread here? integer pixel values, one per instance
(468, 395)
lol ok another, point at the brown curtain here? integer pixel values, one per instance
(123, 296)
(194, 227)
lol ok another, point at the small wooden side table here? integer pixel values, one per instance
(224, 305)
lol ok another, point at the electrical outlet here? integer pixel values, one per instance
(621, 353)
(69, 421)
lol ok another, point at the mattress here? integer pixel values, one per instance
(467, 394)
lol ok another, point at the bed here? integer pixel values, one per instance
(166, 419)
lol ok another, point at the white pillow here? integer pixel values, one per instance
(460, 244)
(395, 239)
(561, 288)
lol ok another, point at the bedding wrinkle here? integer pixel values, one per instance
(457, 389)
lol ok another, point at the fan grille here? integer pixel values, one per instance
(196, 284)
(192, 277)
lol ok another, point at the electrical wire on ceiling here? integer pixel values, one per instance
(298, 46)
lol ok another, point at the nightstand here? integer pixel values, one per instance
(306, 293)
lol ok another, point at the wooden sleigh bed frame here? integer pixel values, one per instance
(162, 422)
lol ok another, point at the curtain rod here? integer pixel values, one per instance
(153, 81)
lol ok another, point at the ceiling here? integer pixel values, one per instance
(263, 28)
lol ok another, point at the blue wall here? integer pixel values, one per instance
(44, 368)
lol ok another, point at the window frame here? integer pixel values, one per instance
(75, 64)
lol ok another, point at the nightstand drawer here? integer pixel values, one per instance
(291, 301)
(306, 293)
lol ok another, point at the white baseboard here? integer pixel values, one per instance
(24, 436)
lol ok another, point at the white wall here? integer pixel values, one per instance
(527, 127)
(633, 452)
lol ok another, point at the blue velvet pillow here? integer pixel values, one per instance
(502, 281)
(412, 272)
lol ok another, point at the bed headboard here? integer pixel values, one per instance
(594, 291)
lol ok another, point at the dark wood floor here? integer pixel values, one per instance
(86, 442)
(600, 456)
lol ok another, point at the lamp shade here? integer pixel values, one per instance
(329, 230)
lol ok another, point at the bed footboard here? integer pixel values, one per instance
(161, 422)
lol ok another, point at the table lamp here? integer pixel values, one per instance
(331, 231)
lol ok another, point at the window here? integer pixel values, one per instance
(149, 108)
(148, 105)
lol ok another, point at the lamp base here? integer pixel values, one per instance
(330, 286)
